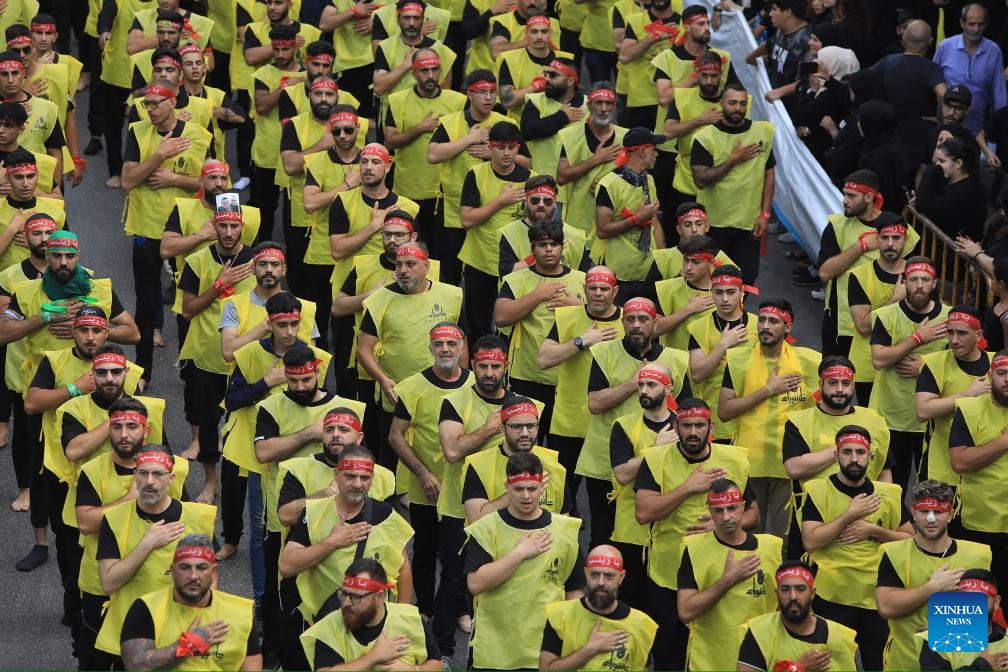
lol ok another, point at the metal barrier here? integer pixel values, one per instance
(961, 279)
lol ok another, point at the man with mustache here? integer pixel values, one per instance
(911, 570)
(844, 519)
(319, 59)
(395, 56)
(105, 481)
(222, 629)
(520, 71)
(902, 333)
(336, 529)
(137, 539)
(995, 655)
(688, 298)
(412, 114)
(732, 164)
(507, 30)
(976, 453)
(671, 486)
(540, 207)
(649, 29)
(559, 104)
(794, 637)
(368, 631)
(599, 630)
(724, 579)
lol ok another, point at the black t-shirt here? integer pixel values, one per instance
(139, 624)
(87, 494)
(380, 511)
(507, 292)
(174, 223)
(680, 52)
(856, 295)
(980, 367)
(470, 191)
(190, 282)
(71, 427)
(504, 75)
(441, 134)
(266, 424)
(785, 53)
(551, 641)
(751, 655)
(292, 488)
(403, 413)
(621, 448)
(701, 157)
(448, 411)
(116, 310)
(325, 656)
(720, 324)
(311, 180)
(810, 512)
(381, 59)
(887, 576)
(339, 220)
(909, 83)
(108, 549)
(473, 488)
(131, 152)
(598, 380)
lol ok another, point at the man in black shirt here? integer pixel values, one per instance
(785, 48)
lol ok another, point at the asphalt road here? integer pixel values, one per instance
(31, 636)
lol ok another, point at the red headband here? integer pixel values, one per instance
(624, 154)
(338, 418)
(324, 83)
(844, 372)
(194, 552)
(920, 267)
(724, 498)
(601, 276)
(563, 69)
(90, 321)
(523, 476)
(128, 416)
(538, 19)
(692, 213)
(215, 168)
(367, 466)
(342, 116)
(190, 48)
(11, 64)
(694, 18)
(931, 504)
(964, 317)
(726, 280)
(1000, 362)
(706, 257)
(693, 412)
(375, 149)
(853, 437)
(155, 457)
(640, 306)
(276, 317)
(862, 188)
(602, 94)
(228, 216)
(160, 91)
(270, 252)
(43, 27)
(446, 331)
(19, 40)
(504, 143)
(893, 229)
(796, 573)
(426, 62)
(978, 586)
(541, 190)
(170, 60)
(482, 85)
(490, 356)
(604, 561)
(654, 374)
(362, 583)
(281, 44)
(108, 358)
(710, 66)
(21, 167)
(400, 221)
(410, 250)
(304, 369)
(519, 409)
(777, 312)
(411, 7)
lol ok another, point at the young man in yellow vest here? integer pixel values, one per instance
(794, 637)
(598, 631)
(189, 625)
(226, 113)
(162, 49)
(13, 118)
(995, 655)
(690, 222)
(350, 23)
(587, 152)
(627, 231)
(412, 114)
(104, 482)
(526, 303)
(42, 133)
(137, 540)
(670, 490)
(547, 112)
(688, 298)
(762, 384)
(612, 393)
(21, 202)
(647, 30)
(567, 348)
(367, 631)
(520, 71)
(724, 579)
(651, 426)
(395, 56)
(843, 520)
(337, 529)
(912, 570)
(961, 372)
(510, 550)
(902, 333)
(319, 58)
(977, 450)
(732, 161)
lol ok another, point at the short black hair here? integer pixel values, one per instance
(282, 302)
(479, 75)
(298, 354)
(835, 360)
(267, 244)
(864, 176)
(283, 32)
(551, 229)
(853, 429)
(170, 52)
(783, 304)
(700, 245)
(489, 342)
(368, 566)
(318, 48)
(519, 463)
(505, 131)
(13, 112)
(127, 404)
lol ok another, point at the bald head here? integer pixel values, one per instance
(603, 575)
(917, 36)
(605, 550)
(657, 366)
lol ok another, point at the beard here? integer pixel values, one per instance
(191, 597)
(357, 620)
(321, 110)
(38, 251)
(555, 91)
(796, 616)
(693, 445)
(999, 396)
(601, 599)
(853, 471)
(651, 403)
(128, 452)
(837, 401)
(302, 397)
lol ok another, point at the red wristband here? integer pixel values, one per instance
(78, 161)
(629, 214)
(765, 214)
(529, 260)
(917, 338)
(189, 644)
(224, 290)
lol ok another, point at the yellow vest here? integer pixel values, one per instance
(892, 396)
(512, 606)
(622, 9)
(15, 254)
(841, 578)
(193, 214)
(641, 89)
(42, 119)
(670, 470)
(669, 261)
(480, 249)
(353, 49)
(423, 401)
(736, 200)
(18, 11)
(673, 295)
(763, 426)
(359, 216)
(819, 429)
(980, 511)
(114, 59)
(14, 375)
(574, 624)
(915, 569)
(58, 80)
(715, 637)
(516, 235)
(571, 405)
(958, 660)
(153, 573)
(523, 70)
(400, 620)
(579, 196)
(171, 619)
(777, 644)
(489, 466)
(266, 146)
(618, 366)
(110, 486)
(707, 336)
(596, 29)
(250, 314)
(546, 151)
(626, 529)
(677, 70)
(315, 476)
(690, 106)
(879, 293)
(386, 17)
(328, 175)
(309, 130)
(396, 51)
(620, 253)
(385, 543)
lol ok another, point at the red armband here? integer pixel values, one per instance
(223, 289)
(190, 644)
(539, 84)
(79, 161)
(627, 213)
(529, 260)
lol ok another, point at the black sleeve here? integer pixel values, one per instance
(86, 493)
(474, 22)
(350, 284)
(687, 579)
(108, 549)
(378, 30)
(700, 156)
(55, 139)
(673, 109)
(325, 656)
(401, 411)
(470, 192)
(500, 30)
(285, 107)
(45, 378)
(534, 127)
(621, 449)
(576, 579)
(139, 623)
(339, 220)
(645, 479)
(70, 430)
(472, 486)
(299, 533)
(926, 381)
(726, 380)
(242, 17)
(506, 257)
(241, 394)
(109, 10)
(260, 85)
(189, 281)
(929, 660)
(810, 511)
(116, 308)
(887, 576)
(430, 641)
(554, 334)
(138, 81)
(380, 60)
(551, 642)
(448, 412)
(440, 135)
(504, 75)
(476, 555)
(959, 433)
(291, 490)
(855, 292)
(750, 654)
(368, 325)
(289, 140)
(131, 153)
(879, 334)
(251, 40)
(390, 120)
(266, 425)
(174, 223)
(829, 246)
(603, 199)
(506, 292)
(597, 379)
(793, 444)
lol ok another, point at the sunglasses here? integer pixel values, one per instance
(103, 373)
(540, 200)
(343, 130)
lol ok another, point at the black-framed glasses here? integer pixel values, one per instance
(520, 426)
(351, 598)
(395, 235)
(153, 104)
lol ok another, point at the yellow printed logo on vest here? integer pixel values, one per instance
(181, 165)
(758, 588)
(545, 501)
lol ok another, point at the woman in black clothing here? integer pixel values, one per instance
(827, 96)
(950, 193)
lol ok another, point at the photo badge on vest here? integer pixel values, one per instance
(957, 622)
(229, 206)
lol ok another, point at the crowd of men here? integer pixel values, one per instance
(498, 283)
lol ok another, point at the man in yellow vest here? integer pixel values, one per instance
(724, 579)
(598, 631)
(162, 50)
(188, 625)
(795, 638)
(762, 384)
(627, 231)
(670, 494)
(43, 133)
(333, 532)
(733, 161)
(319, 59)
(395, 56)
(688, 298)
(648, 29)
(13, 118)
(520, 71)
(568, 348)
(367, 631)
(587, 153)
(137, 539)
(510, 550)
(902, 333)
(961, 372)
(690, 222)
(412, 114)
(843, 520)
(912, 570)
(977, 450)
(226, 113)
(613, 392)
(547, 112)
(526, 303)
(995, 655)
(350, 23)
(507, 29)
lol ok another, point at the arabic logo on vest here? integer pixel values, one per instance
(552, 572)
(180, 165)
(437, 312)
(758, 588)
(957, 622)
(618, 659)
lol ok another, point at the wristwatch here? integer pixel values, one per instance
(578, 343)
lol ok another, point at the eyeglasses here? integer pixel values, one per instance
(104, 373)
(351, 598)
(395, 235)
(540, 200)
(522, 426)
(153, 104)
(344, 130)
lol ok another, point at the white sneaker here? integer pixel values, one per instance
(785, 238)
(242, 184)
(819, 294)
